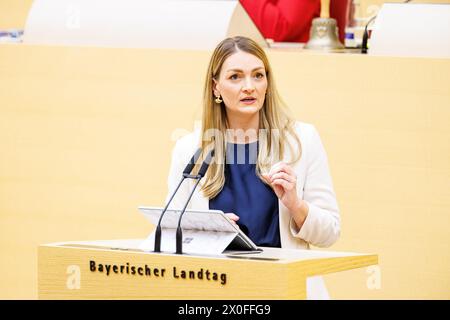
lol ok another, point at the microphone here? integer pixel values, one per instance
(366, 36)
(199, 176)
(191, 164)
(186, 174)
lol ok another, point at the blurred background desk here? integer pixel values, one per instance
(86, 136)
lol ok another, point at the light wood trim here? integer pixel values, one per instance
(244, 278)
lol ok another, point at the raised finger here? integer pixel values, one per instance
(285, 184)
(285, 176)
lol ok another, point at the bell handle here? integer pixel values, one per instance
(324, 8)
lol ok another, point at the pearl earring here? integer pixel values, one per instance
(218, 100)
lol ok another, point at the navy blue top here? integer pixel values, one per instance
(245, 195)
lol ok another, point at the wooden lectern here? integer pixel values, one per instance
(117, 269)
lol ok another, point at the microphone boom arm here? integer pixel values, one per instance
(158, 227)
(201, 173)
(179, 236)
(186, 174)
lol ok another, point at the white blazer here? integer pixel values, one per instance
(314, 185)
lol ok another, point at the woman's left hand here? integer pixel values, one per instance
(283, 181)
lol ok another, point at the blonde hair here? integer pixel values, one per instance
(274, 117)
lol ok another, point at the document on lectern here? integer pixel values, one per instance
(206, 232)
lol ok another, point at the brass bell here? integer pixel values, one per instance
(324, 31)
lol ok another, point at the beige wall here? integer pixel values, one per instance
(13, 13)
(85, 138)
(366, 7)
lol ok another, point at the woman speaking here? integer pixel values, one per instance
(270, 173)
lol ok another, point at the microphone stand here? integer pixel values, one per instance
(179, 236)
(158, 227)
(186, 174)
(366, 36)
(199, 176)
